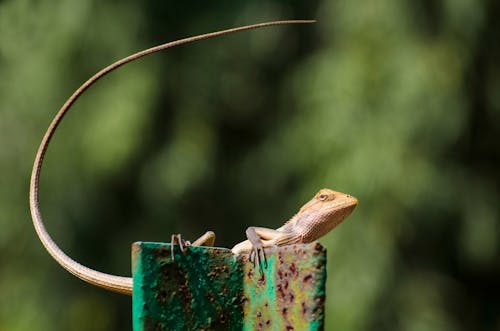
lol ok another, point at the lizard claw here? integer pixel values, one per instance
(258, 257)
(177, 239)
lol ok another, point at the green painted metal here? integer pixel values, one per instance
(209, 288)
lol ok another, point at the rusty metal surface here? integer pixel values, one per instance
(211, 289)
(290, 294)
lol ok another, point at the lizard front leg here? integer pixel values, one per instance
(258, 239)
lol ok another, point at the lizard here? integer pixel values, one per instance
(110, 282)
(316, 218)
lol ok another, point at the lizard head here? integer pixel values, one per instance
(327, 199)
(323, 212)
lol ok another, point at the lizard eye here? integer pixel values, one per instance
(323, 197)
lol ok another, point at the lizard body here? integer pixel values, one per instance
(316, 218)
(110, 282)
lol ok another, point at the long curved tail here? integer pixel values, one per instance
(109, 282)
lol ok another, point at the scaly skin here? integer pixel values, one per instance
(109, 282)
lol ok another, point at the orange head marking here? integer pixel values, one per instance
(327, 199)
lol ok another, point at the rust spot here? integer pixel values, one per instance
(307, 278)
(262, 279)
(161, 296)
(318, 248)
(293, 268)
(280, 257)
(280, 291)
(284, 311)
(289, 327)
(163, 252)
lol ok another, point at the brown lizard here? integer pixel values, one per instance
(316, 218)
(107, 281)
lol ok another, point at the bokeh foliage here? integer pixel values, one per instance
(395, 102)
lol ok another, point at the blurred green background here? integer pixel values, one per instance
(395, 102)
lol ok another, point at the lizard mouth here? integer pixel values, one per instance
(345, 207)
(349, 208)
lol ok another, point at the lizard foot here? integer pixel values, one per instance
(177, 239)
(258, 256)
